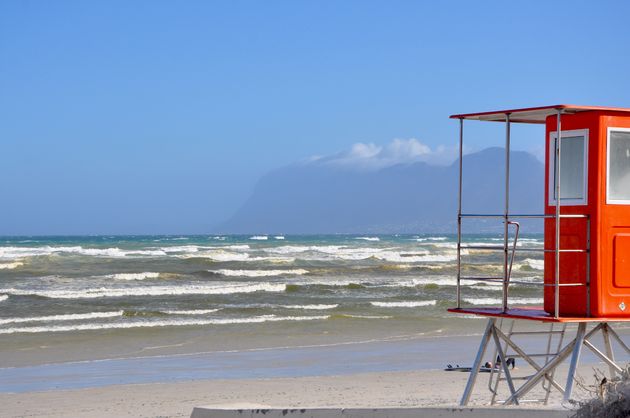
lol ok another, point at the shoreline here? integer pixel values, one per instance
(412, 352)
(397, 353)
(395, 373)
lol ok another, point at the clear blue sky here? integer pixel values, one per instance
(159, 116)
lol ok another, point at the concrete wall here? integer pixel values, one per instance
(213, 412)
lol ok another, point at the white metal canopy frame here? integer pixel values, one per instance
(543, 372)
(536, 115)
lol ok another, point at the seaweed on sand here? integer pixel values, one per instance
(611, 400)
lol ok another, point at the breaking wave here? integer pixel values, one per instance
(259, 273)
(134, 276)
(114, 252)
(163, 323)
(499, 301)
(404, 304)
(11, 266)
(149, 291)
(369, 238)
(310, 307)
(66, 317)
(533, 264)
(259, 238)
(192, 311)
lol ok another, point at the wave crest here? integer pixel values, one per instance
(259, 273)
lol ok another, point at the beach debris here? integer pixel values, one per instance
(611, 400)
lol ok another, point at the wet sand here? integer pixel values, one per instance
(405, 371)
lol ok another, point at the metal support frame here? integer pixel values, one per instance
(544, 372)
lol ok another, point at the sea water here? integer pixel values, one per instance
(70, 298)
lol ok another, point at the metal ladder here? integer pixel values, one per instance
(496, 372)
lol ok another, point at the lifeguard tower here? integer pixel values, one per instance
(586, 248)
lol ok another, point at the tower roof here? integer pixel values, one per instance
(534, 114)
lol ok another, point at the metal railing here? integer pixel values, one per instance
(508, 259)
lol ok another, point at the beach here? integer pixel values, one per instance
(420, 388)
(396, 373)
(156, 325)
(393, 389)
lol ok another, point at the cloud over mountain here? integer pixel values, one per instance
(369, 156)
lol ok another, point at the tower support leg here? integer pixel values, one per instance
(609, 351)
(575, 359)
(474, 372)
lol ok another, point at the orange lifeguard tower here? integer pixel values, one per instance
(587, 243)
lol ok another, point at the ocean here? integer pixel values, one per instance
(84, 298)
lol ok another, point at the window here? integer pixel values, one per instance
(573, 167)
(618, 170)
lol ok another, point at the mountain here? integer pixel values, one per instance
(319, 198)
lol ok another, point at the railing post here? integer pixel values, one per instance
(459, 212)
(557, 174)
(506, 212)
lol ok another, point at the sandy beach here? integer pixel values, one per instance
(368, 390)
(306, 377)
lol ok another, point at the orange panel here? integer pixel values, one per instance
(609, 234)
(621, 270)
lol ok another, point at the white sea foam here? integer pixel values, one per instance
(274, 306)
(218, 255)
(499, 301)
(278, 260)
(259, 273)
(11, 266)
(181, 249)
(161, 323)
(414, 257)
(440, 281)
(236, 247)
(363, 253)
(191, 311)
(310, 307)
(366, 316)
(134, 276)
(369, 238)
(430, 239)
(405, 304)
(279, 237)
(535, 264)
(114, 252)
(65, 317)
(259, 237)
(3, 298)
(150, 291)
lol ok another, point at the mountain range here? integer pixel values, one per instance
(316, 197)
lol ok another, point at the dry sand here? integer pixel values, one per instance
(369, 390)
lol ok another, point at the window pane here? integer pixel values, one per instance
(572, 168)
(619, 166)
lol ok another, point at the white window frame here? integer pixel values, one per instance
(608, 200)
(552, 169)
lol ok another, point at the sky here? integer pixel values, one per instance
(152, 117)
